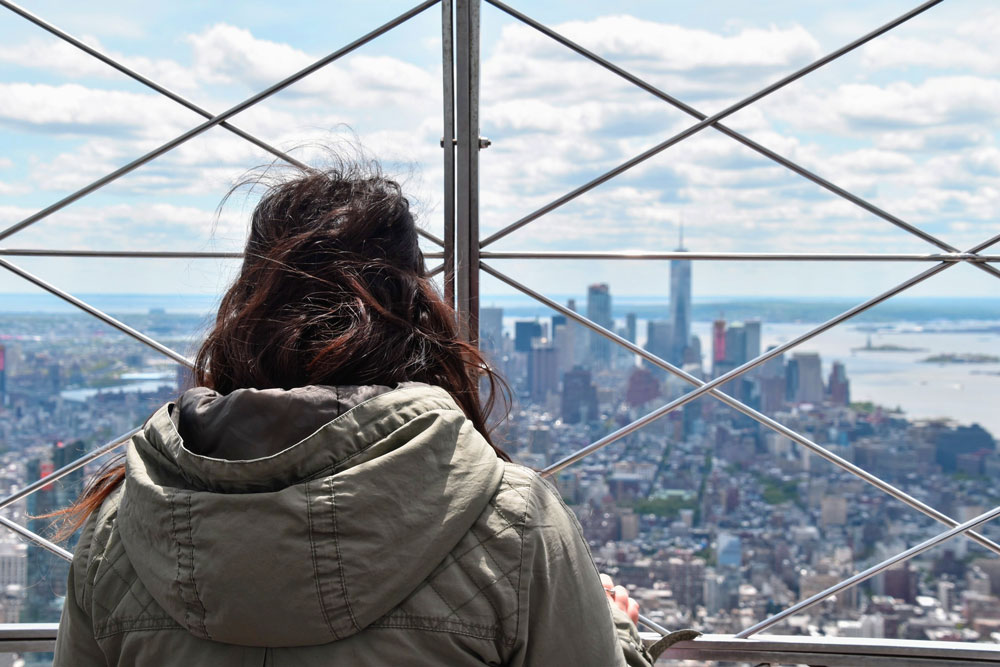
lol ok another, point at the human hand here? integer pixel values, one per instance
(619, 595)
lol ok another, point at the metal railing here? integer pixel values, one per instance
(760, 651)
(465, 255)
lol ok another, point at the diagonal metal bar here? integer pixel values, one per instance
(708, 121)
(871, 572)
(753, 363)
(68, 468)
(989, 268)
(753, 145)
(761, 418)
(215, 120)
(993, 240)
(149, 83)
(101, 315)
(430, 237)
(743, 256)
(36, 538)
(436, 270)
(733, 134)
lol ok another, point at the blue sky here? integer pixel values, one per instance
(908, 121)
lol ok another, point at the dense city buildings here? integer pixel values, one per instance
(713, 520)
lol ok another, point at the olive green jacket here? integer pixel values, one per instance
(332, 526)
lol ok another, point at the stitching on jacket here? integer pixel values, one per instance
(496, 612)
(514, 489)
(431, 624)
(112, 568)
(473, 547)
(176, 541)
(451, 610)
(142, 624)
(490, 554)
(520, 569)
(194, 585)
(431, 620)
(480, 592)
(340, 561)
(497, 631)
(508, 468)
(379, 437)
(315, 561)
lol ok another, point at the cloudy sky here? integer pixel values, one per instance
(908, 122)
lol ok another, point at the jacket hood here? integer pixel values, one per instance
(292, 518)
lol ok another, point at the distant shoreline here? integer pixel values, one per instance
(917, 310)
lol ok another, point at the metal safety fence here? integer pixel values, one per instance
(466, 255)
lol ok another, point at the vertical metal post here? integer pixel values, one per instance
(467, 163)
(448, 145)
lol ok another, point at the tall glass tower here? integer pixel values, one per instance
(680, 304)
(599, 311)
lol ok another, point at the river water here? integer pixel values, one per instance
(965, 392)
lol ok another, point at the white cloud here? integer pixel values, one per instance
(896, 106)
(73, 109)
(226, 54)
(922, 147)
(60, 57)
(129, 226)
(965, 45)
(668, 46)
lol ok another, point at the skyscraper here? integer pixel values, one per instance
(718, 344)
(736, 345)
(659, 338)
(599, 311)
(543, 376)
(752, 328)
(557, 321)
(490, 330)
(839, 387)
(579, 397)
(810, 378)
(680, 304)
(524, 332)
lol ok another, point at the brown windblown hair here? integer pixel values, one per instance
(333, 291)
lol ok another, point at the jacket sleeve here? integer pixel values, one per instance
(75, 642)
(565, 616)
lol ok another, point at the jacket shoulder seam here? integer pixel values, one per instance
(340, 561)
(525, 476)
